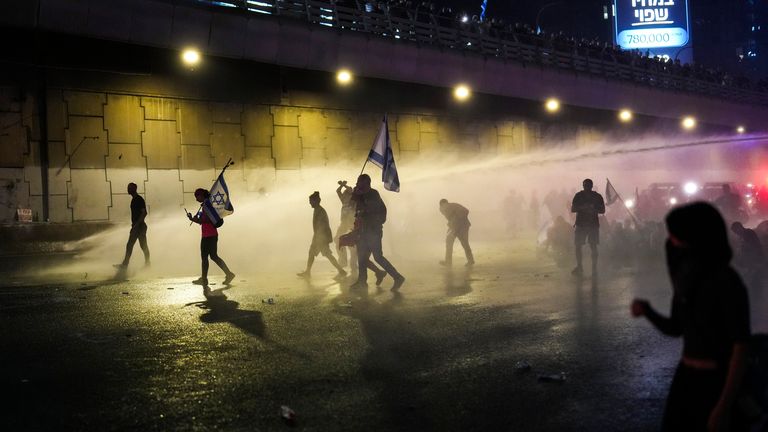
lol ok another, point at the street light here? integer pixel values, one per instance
(191, 57)
(740, 130)
(344, 77)
(462, 92)
(552, 105)
(688, 123)
(625, 116)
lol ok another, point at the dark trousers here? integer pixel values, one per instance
(461, 233)
(208, 248)
(138, 232)
(370, 244)
(692, 396)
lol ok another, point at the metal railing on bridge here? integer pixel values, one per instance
(526, 49)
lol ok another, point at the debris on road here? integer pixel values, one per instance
(268, 301)
(287, 414)
(523, 366)
(560, 377)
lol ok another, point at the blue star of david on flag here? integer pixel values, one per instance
(218, 205)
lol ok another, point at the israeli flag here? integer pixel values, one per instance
(381, 156)
(218, 205)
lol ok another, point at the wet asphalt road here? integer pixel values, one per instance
(157, 355)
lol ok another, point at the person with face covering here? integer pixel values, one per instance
(710, 310)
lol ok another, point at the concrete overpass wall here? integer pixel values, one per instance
(289, 42)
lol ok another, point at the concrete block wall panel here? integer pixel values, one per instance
(89, 195)
(58, 168)
(159, 108)
(338, 119)
(195, 123)
(88, 152)
(56, 113)
(339, 145)
(287, 148)
(313, 158)
(10, 100)
(364, 127)
(408, 133)
(227, 112)
(32, 173)
(161, 144)
(84, 103)
(259, 168)
(126, 164)
(123, 118)
(258, 125)
(312, 129)
(152, 23)
(227, 142)
(449, 132)
(14, 193)
(196, 167)
(285, 115)
(488, 138)
(165, 192)
(110, 19)
(228, 35)
(120, 211)
(13, 140)
(58, 210)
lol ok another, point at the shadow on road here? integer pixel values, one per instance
(221, 309)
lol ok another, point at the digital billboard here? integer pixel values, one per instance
(659, 26)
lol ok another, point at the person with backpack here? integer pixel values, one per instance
(458, 227)
(209, 241)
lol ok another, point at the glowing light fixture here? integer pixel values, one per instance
(462, 92)
(625, 115)
(344, 77)
(191, 57)
(690, 188)
(673, 201)
(629, 203)
(740, 130)
(465, 18)
(552, 105)
(688, 123)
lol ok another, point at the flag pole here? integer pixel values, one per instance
(227, 165)
(624, 204)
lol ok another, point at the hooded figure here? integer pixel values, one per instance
(710, 310)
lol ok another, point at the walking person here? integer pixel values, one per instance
(346, 224)
(321, 238)
(371, 213)
(208, 242)
(587, 204)
(458, 227)
(138, 227)
(710, 310)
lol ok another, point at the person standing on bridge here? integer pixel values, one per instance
(138, 228)
(458, 227)
(587, 204)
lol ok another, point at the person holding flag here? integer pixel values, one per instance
(214, 205)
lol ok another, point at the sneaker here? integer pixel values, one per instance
(469, 263)
(359, 285)
(445, 263)
(578, 271)
(398, 283)
(304, 274)
(200, 281)
(121, 266)
(340, 275)
(380, 277)
(229, 278)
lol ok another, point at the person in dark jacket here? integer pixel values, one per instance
(321, 238)
(138, 227)
(458, 227)
(371, 214)
(587, 204)
(710, 310)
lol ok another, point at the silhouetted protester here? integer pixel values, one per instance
(558, 241)
(587, 204)
(458, 227)
(138, 228)
(729, 204)
(371, 213)
(209, 242)
(749, 257)
(350, 240)
(321, 238)
(710, 310)
(346, 224)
